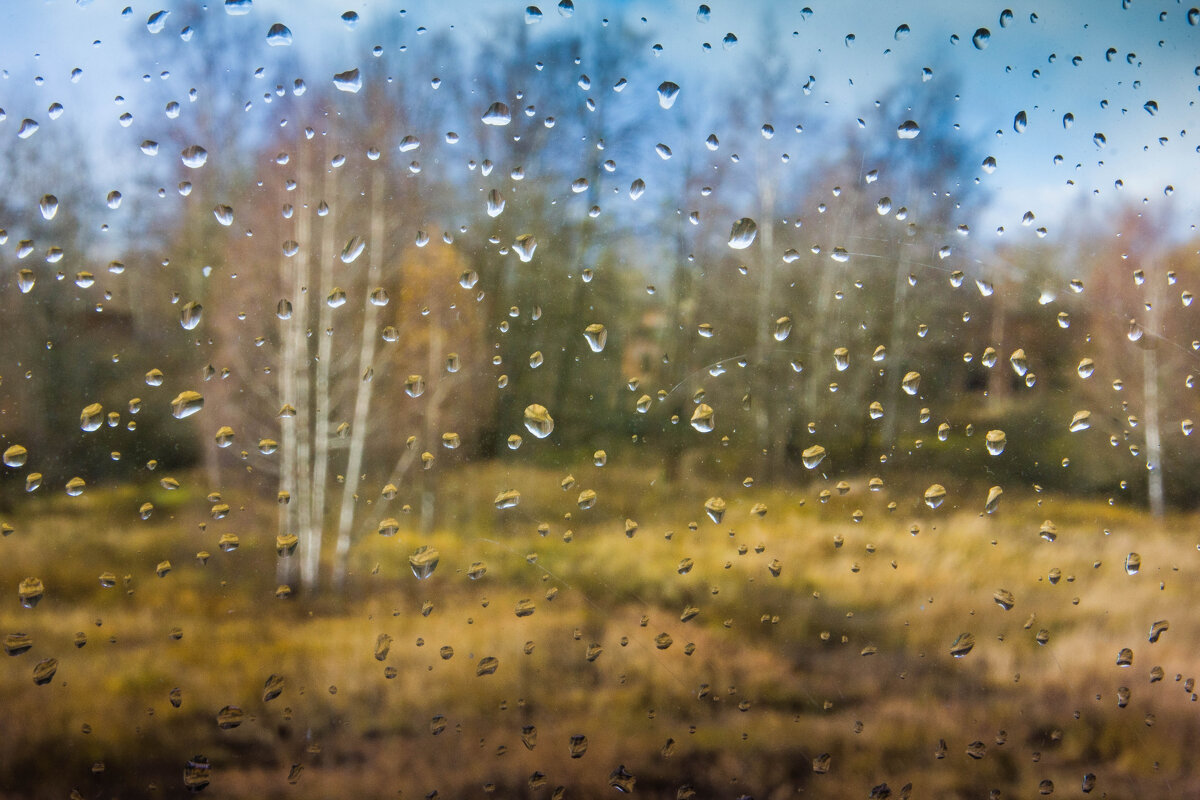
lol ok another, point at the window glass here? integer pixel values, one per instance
(691, 400)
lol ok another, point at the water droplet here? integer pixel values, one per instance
(525, 245)
(993, 499)
(1004, 598)
(1157, 629)
(702, 418)
(1081, 421)
(995, 441)
(1125, 657)
(538, 421)
(348, 81)
(497, 114)
(353, 249)
(902, 32)
(43, 671)
(715, 508)
(30, 591)
(487, 666)
(667, 93)
(908, 129)
(821, 763)
(424, 561)
(15, 456)
(157, 21)
(230, 717)
(1133, 563)
(935, 495)
(507, 499)
(596, 335)
(186, 403)
(48, 206)
(196, 774)
(26, 280)
(812, 456)
(981, 38)
(964, 644)
(1020, 121)
(742, 234)
(495, 203)
(279, 35)
(91, 417)
(194, 156)
(911, 383)
(189, 315)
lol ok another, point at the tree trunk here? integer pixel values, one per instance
(310, 569)
(362, 399)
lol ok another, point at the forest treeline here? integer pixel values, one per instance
(373, 277)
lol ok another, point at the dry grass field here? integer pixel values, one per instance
(673, 647)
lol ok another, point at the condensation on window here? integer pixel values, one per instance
(557, 401)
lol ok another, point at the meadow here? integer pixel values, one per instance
(804, 645)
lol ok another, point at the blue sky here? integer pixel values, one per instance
(1142, 155)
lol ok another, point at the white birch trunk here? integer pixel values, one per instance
(362, 399)
(310, 568)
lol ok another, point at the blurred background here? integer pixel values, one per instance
(823, 376)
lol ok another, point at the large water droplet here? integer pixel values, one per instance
(92, 417)
(15, 456)
(964, 644)
(812, 456)
(525, 245)
(186, 403)
(667, 93)
(981, 38)
(702, 418)
(194, 156)
(189, 315)
(742, 234)
(538, 421)
(935, 495)
(157, 21)
(596, 335)
(353, 249)
(908, 129)
(495, 203)
(348, 81)
(424, 561)
(497, 114)
(279, 35)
